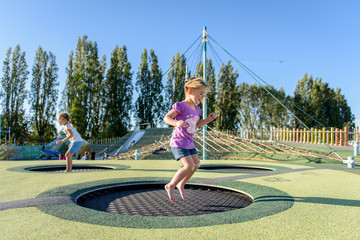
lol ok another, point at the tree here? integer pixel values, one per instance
(43, 95)
(156, 88)
(259, 109)
(318, 105)
(14, 93)
(176, 80)
(226, 107)
(83, 90)
(347, 119)
(66, 94)
(211, 81)
(118, 91)
(149, 104)
(277, 115)
(95, 72)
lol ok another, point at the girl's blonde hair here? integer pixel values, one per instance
(66, 116)
(196, 83)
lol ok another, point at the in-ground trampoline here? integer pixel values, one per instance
(150, 199)
(235, 168)
(75, 168)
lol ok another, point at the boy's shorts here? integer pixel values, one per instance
(75, 147)
(181, 152)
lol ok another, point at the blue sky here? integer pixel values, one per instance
(279, 40)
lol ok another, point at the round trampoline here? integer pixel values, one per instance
(234, 168)
(75, 168)
(150, 199)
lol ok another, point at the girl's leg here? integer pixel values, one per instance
(181, 184)
(179, 175)
(68, 156)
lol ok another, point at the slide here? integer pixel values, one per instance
(135, 136)
(49, 153)
(133, 139)
(56, 147)
(52, 149)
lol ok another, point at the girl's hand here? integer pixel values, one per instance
(211, 117)
(59, 141)
(180, 124)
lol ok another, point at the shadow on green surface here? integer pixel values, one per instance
(318, 200)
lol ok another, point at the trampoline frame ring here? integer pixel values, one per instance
(267, 201)
(102, 167)
(160, 186)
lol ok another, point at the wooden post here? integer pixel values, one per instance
(293, 136)
(346, 137)
(297, 135)
(327, 137)
(287, 134)
(337, 136)
(341, 133)
(280, 134)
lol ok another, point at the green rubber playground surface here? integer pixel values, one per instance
(298, 200)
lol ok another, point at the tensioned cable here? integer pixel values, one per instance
(242, 65)
(195, 62)
(216, 55)
(97, 137)
(183, 55)
(198, 48)
(252, 75)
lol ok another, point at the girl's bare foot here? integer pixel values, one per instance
(181, 190)
(67, 170)
(170, 192)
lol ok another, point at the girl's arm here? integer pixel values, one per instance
(169, 119)
(209, 119)
(71, 134)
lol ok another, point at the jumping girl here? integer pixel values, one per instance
(76, 142)
(185, 117)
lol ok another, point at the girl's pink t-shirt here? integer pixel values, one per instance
(183, 137)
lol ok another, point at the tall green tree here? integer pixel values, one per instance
(14, 93)
(275, 114)
(211, 81)
(319, 105)
(118, 91)
(95, 76)
(149, 103)
(156, 88)
(69, 87)
(258, 108)
(346, 118)
(226, 107)
(176, 80)
(83, 90)
(43, 95)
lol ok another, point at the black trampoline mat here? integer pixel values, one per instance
(152, 200)
(78, 168)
